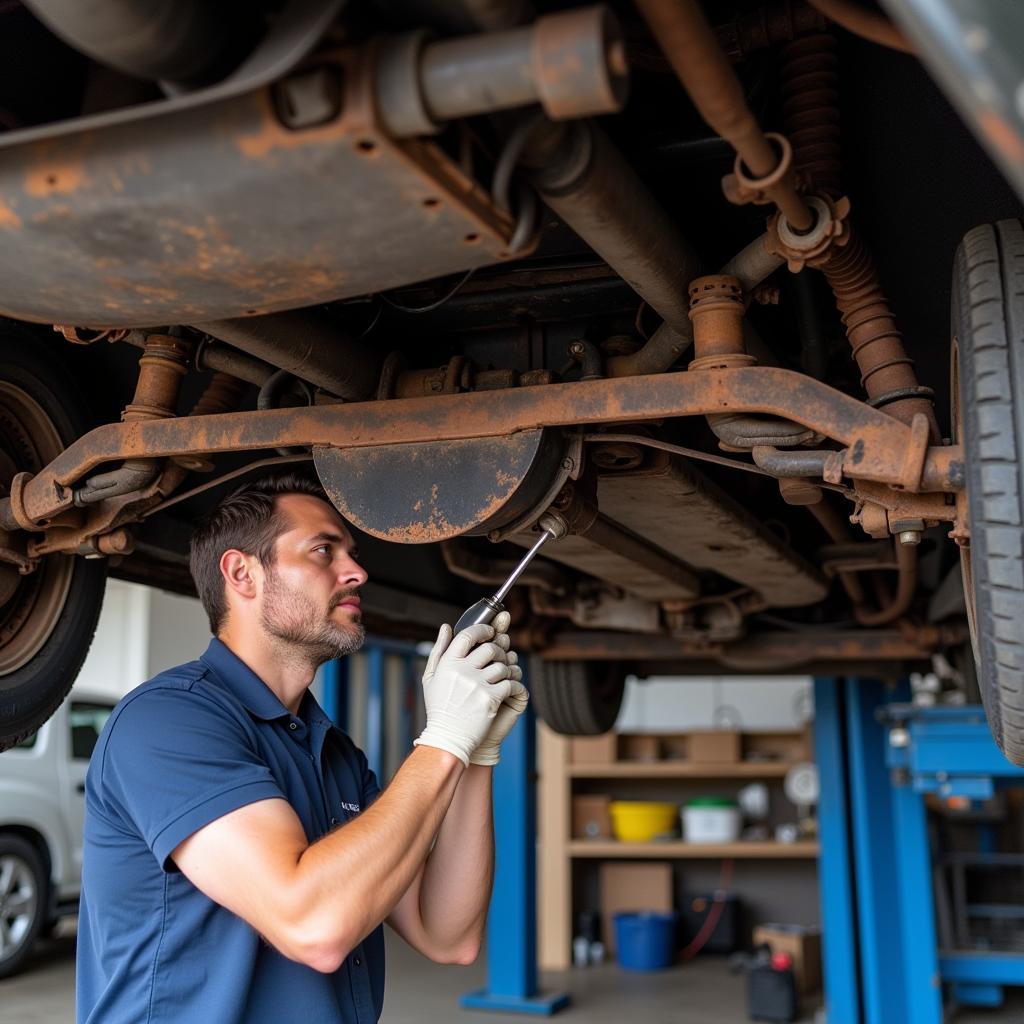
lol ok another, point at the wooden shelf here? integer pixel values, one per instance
(680, 770)
(676, 849)
(560, 855)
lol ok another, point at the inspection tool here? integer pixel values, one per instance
(487, 608)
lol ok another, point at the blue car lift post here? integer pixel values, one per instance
(512, 983)
(877, 759)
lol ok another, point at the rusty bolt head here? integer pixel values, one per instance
(309, 98)
(873, 519)
(568, 465)
(117, 542)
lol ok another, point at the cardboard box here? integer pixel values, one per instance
(639, 747)
(591, 817)
(716, 746)
(675, 746)
(788, 746)
(593, 749)
(802, 944)
(626, 887)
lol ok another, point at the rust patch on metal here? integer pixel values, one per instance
(51, 177)
(273, 135)
(8, 218)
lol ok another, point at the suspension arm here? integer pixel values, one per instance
(876, 447)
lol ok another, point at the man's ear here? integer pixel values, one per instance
(240, 573)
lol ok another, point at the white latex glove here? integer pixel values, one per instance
(511, 707)
(464, 683)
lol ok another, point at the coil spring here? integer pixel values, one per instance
(810, 110)
(222, 394)
(809, 81)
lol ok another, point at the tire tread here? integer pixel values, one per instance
(988, 318)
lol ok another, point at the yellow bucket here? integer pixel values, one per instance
(640, 821)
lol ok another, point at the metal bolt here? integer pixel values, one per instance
(577, 348)
(899, 738)
(310, 98)
(567, 465)
(910, 537)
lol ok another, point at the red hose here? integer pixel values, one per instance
(707, 929)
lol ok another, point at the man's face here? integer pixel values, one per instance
(310, 597)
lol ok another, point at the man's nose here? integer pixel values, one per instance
(352, 574)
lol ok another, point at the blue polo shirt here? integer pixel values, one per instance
(180, 751)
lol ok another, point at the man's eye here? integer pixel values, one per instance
(325, 548)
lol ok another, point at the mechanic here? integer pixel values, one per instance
(239, 856)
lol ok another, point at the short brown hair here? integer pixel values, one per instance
(248, 519)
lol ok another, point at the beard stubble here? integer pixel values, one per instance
(304, 628)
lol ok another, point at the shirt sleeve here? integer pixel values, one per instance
(173, 762)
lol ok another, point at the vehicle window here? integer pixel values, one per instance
(27, 742)
(86, 721)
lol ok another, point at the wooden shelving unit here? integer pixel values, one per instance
(559, 852)
(680, 770)
(675, 849)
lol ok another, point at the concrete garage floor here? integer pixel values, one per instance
(418, 991)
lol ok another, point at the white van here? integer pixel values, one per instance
(42, 805)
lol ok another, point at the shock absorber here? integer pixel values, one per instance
(810, 109)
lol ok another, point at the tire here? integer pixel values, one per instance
(24, 902)
(577, 698)
(48, 617)
(988, 364)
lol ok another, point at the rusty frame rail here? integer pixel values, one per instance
(876, 446)
(775, 649)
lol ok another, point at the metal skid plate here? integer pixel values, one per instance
(431, 491)
(700, 524)
(170, 214)
(617, 567)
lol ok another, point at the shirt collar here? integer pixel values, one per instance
(258, 698)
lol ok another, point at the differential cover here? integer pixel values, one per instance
(434, 490)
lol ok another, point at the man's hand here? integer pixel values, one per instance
(464, 684)
(511, 707)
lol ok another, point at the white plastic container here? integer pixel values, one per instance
(711, 820)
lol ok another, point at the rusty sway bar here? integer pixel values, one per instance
(877, 447)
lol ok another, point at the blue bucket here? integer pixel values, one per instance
(645, 941)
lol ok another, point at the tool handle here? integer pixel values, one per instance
(485, 610)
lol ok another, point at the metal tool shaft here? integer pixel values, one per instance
(499, 594)
(487, 608)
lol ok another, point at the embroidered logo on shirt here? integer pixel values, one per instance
(354, 808)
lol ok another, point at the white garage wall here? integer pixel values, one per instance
(118, 658)
(743, 702)
(178, 631)
(141, 632)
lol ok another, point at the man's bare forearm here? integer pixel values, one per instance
(351, 880)
(459, 872)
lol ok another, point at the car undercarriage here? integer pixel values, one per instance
(678, 276)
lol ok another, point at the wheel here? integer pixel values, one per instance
(988, 418)
(23, 901)
(48, 617)
(577, 698)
